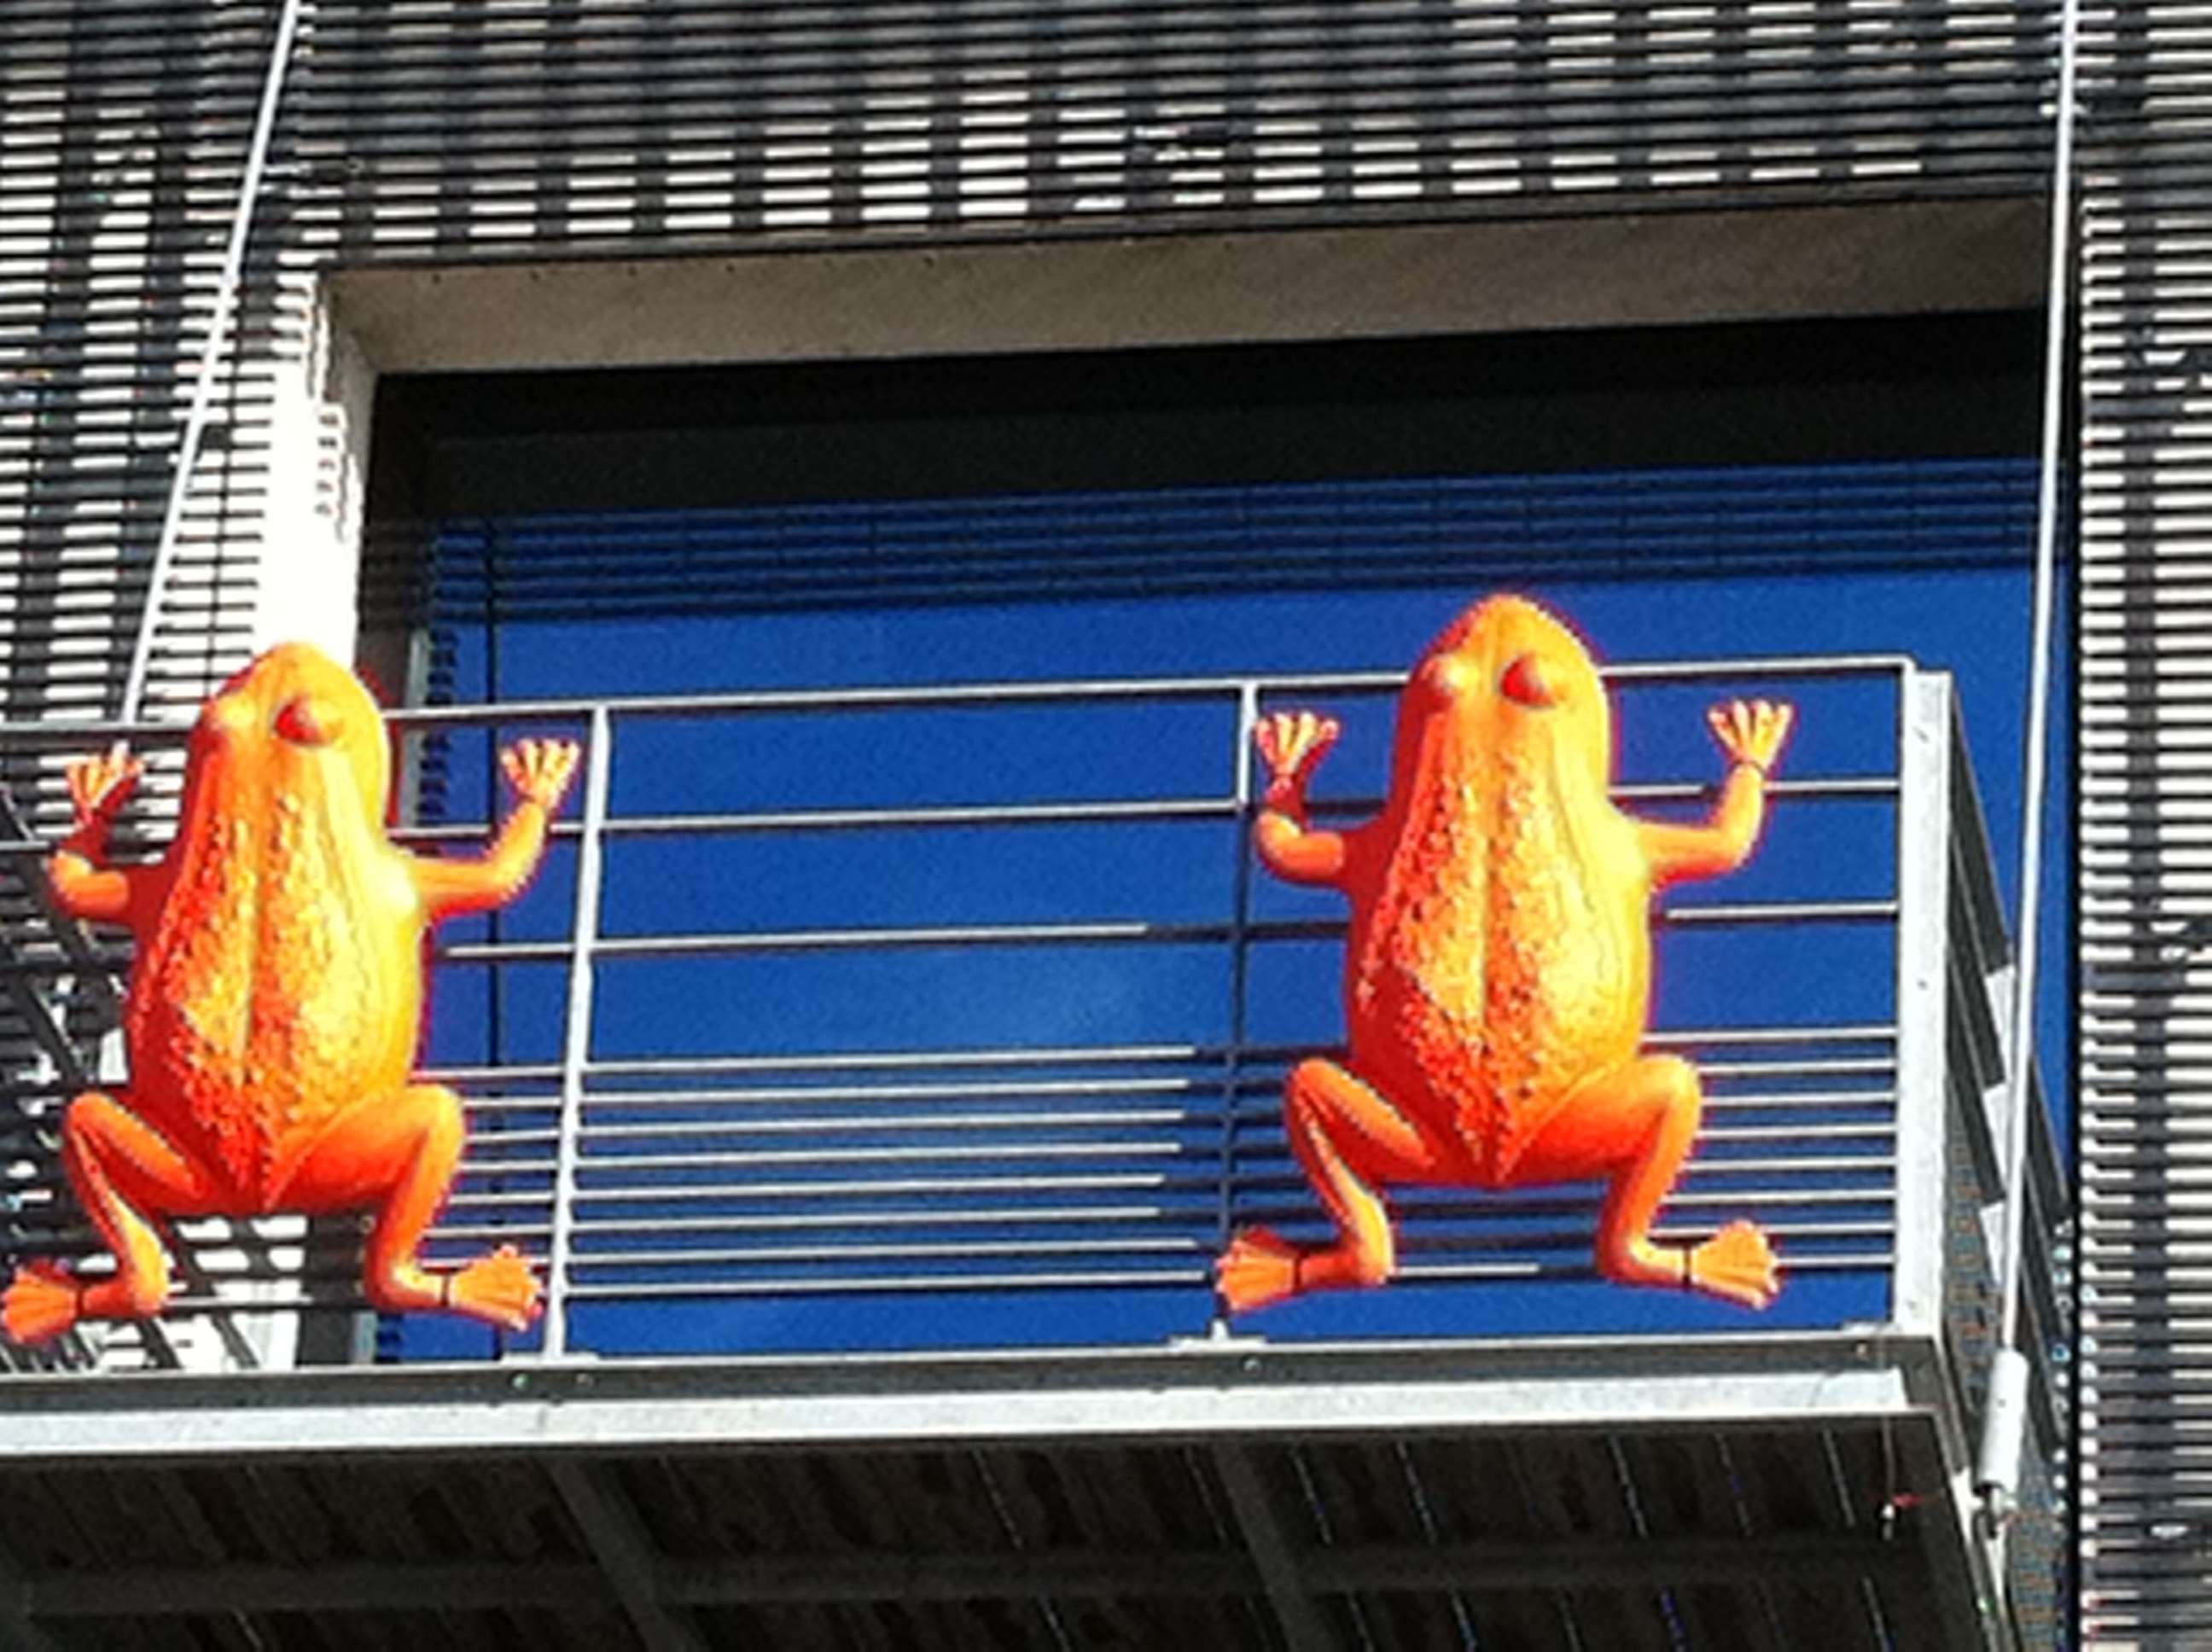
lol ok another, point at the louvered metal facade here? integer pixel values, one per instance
(449, 132)
(495, 183)
(2147, 1365)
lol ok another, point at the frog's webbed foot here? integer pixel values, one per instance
(45, 1301)
(1737, 1265)
(1259, 1267)
(498, 1288)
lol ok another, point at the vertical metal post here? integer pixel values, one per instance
(2006, 1420)
(576, 1044)
(1923, 865)
(1240, 948)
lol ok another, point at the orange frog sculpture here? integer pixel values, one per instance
(275, 999)
(1498, 962)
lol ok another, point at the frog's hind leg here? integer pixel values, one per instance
(397, 1155)
(126, 1175)
(1635, 1126)
(1352, 1141)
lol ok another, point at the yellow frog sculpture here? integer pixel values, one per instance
(1498, 965)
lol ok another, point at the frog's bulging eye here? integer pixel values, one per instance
(308, 721)
(1524, 683)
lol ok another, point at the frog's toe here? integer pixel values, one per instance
(498, 1288)
(40, 1305)
(1738, 1265)
(1259, 1267)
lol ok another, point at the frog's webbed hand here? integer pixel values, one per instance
(83, 886)
(540, 772)
(100, 787)
(1292, 744)
(1751, 731)
(1750, 734)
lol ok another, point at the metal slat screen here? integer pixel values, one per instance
(2146, 781)
(1470, 532)
(457, 130)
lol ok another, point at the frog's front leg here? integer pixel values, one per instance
(396, 1155)
(1634, 1126)
(539, 771)
(84, 885)
(1291, 743)
(1353, 1141)
(126, 1174)
(1751, 735)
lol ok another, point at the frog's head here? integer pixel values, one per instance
(1506, 676)
(294, 727)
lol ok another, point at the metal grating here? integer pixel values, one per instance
(2146, 1343)
(1744, 1535)
(531, 127)
(465, 129)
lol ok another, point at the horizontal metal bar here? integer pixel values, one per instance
(618, 948)
(1092, 812)
(59, 735)
(594, 1170)
(599, 1132)
(599, 1261)
(910, 1187)
(1878, 1033)
(993, 814)
(1001, 1281)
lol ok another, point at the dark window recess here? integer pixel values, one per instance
(1461, 461)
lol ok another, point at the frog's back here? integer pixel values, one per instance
(280, 984)
(1505, 956)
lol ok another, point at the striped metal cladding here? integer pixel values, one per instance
(2145, 647)
(445, 130)
(1676, 1533)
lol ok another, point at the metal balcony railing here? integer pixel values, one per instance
(878, 1014)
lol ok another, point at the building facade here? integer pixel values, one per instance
(568, 313)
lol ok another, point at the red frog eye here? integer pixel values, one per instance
(306, 721)
(1524, 684)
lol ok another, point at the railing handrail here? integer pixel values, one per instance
(57, 731)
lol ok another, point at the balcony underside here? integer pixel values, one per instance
(1767, 1492)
